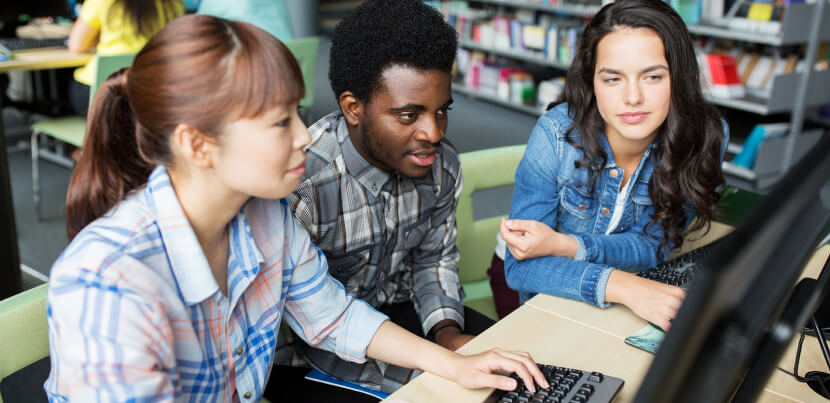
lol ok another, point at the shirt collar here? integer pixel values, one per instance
(187, 260)
(610, 162)
(371, 177)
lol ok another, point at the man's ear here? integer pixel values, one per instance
(351, 107)
(194, 146)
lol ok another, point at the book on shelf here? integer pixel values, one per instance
(533, 37)
(549, 91)
(504, 85)
(529, 32)
(551, 41)
(689, 10)
(761, 17)
(723, 78)
(761, 132)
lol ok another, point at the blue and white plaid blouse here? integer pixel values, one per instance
(135, 313)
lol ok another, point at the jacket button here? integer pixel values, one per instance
(605, 211)
(247, 395)
(239, 350)
(581, 207)
(614, 173)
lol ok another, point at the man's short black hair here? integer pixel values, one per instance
(382, 33)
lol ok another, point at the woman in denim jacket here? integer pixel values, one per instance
(612, 177)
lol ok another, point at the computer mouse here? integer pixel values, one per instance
(819, 382)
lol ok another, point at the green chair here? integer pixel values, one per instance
(24, 332)
(69, 129)
(305, 51)
(476, 241)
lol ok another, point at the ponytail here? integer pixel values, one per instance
(198, 70)
(110, 165)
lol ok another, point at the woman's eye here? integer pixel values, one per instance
(612, 80)
(655, 77)
(283, 123)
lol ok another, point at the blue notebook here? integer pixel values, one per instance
(317, 376)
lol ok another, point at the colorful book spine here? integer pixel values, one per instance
(723, 72)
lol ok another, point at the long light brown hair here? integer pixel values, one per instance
(198, 70)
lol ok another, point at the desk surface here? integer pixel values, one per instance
(46, 58)
(598, 337)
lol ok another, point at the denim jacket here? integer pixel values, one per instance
(551, 190)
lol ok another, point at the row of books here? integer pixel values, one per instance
(506, 82)
(554, 40)
(734, 75)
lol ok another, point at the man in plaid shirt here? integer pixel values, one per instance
(382, 184)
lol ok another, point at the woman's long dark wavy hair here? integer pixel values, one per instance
(687, 174)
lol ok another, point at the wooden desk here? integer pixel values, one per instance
(582, 336)
(35, 59)
(44, 59)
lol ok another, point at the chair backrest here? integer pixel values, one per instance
(24, 335)
(476, 241)
(106, 65)
(305, 51)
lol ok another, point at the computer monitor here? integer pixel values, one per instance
(14, 12)
(741, 312)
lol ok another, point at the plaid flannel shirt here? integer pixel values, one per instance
(135, 313)
(387, 238)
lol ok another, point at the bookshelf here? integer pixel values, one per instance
(579, 10)
(788, 93)
(794, 28)
(463, 89)
(781, 98)
(525, 56)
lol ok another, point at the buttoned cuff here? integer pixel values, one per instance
(362, 322)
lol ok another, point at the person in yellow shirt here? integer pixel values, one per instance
(116, 27)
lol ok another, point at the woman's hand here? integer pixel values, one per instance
(392, 344)
(475, 371)
(528, 239)
(651, 300)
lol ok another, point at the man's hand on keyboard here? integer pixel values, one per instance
(651, 300)
(475, 371)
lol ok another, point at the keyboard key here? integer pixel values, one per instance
(589, 387)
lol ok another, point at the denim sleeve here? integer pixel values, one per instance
(536, 197)
(633, 250)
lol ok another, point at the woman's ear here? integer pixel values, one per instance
(351, 107)
(194, 146)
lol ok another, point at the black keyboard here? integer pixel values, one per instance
(679, 271)
(13, 44)
(567, 385)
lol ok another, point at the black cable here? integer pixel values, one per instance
(800, 378)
